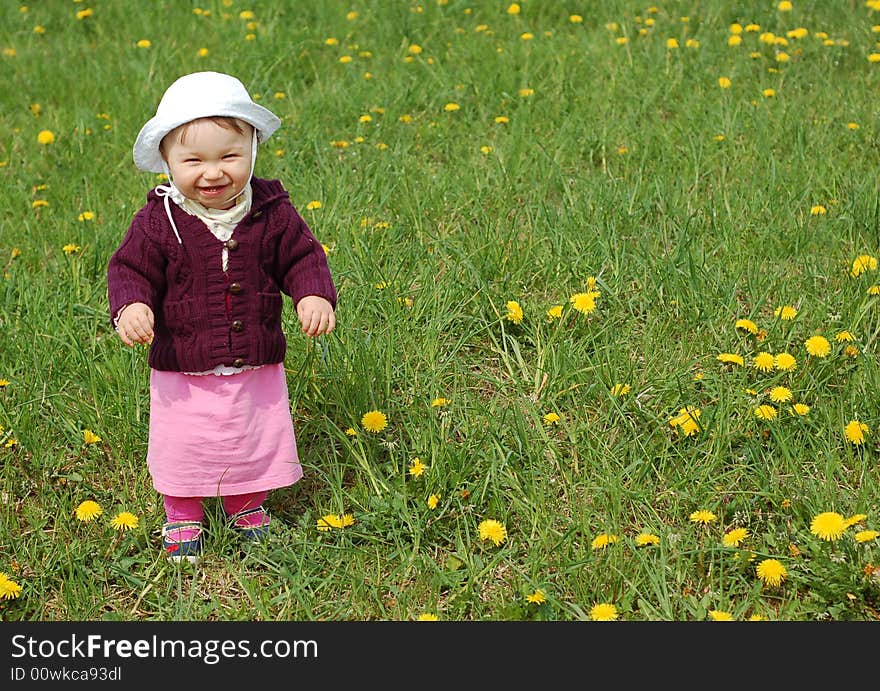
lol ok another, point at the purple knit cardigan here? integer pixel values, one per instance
(204, 316)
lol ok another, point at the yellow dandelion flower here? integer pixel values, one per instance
(36, 204)
(493, 530)
(202, 52)
(866, 535)
(769, 93)
(514, 312)
(351, 432)
(313, 205)
(828, 526)
(576, 19)
(844, 336)
(9, 589)
(855, 518)
(88, 511)
(552, 418)
(71, 248)
(703, 516)
(734, 537)
(771, 571)
(780, 394)
(554, 312)
(730, 358)
(785, 362)
(451, 107)
(620, 389)
(621, 40)
(86, 216)
(818, 210)
(720, 615)
(537, 597)
(46, 137)
(415, 49)
(863, 263)
(855, 432)
(124, 520)
(747, 325)
(90, 437)
(585, 303)
(427, 616)
(328, 522)
(602, 540)
(817, 346)
(526, 92)
(724, 82)
(871, 290)
(416, 467)
(645, 539)
(764, 361)
(800, 409)
(513, 8)
(672, 43)
(144, 43)
(603, 611)
(374, 421)
(785, 312)
(439, 402)
(433, 500)
(686, 421)
(765, 412)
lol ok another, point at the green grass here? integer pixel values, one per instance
(688, 203)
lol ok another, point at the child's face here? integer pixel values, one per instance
(211, 164)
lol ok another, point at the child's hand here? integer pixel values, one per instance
(135, 324)
(316, 315)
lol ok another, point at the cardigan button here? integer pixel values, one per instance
(231, 244)
(237, 326)
(238, 362)
(234, 288)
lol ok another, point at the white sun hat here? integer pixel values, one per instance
(199, 95)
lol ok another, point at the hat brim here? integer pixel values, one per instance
(147, 156)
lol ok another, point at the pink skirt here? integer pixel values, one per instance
(216, 435)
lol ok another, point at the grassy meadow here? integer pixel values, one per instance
(607, 323)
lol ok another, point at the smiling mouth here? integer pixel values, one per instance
(216, 189)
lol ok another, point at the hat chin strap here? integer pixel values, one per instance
(170, 190)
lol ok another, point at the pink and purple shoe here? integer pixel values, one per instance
(251, 524)
(182, 541)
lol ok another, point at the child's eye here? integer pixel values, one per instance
(231, 156)
(190, 160)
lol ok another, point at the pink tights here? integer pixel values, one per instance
(191, 509)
